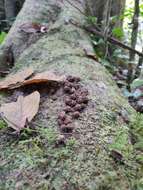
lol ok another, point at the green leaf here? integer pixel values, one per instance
(118, 32)
(137, 83)
(2, 124)
(2, 36)
(92, 19)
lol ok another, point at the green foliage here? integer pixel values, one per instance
(141, 9)
(137, 130)
(129, 11)
(91, 19)
(136, 83)
(48, 134)
(139, 185)
(2, 36)
(121, 143)
(118, 32)
(2, 124)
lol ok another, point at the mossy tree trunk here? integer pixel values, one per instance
(100, 128)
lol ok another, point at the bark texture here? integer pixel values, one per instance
(89, 165)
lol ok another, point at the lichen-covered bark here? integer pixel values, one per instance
(88, 166)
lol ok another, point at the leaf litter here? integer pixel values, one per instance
(26, 78)
(18, 113)
(14, 79)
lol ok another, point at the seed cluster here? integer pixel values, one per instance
(75, 101)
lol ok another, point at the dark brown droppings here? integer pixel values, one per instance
(73, 96)
(78, 107)
(68, 84)
(84, 92)
(72, 90)
(68, 109)
(67, 101)
(70, 78)
(60, 122)
(62, 115)
(70, 102)
(67, 89)
(76, 115)
(76, 86)
(68, 120)
(73, 103)
(67, 128)
(80, 99)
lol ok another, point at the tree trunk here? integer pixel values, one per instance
(134, 35)
(1, 9)
(135, 23)
(19, 4)
(98, 8)
(2, 14)
(10, 10)
(91, 163)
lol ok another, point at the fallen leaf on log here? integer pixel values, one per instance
(19, 79)
(44, 77)
(14, 79)
(17, 114)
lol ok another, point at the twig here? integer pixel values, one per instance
(110, 39)
(95, 31)
(76, 8)
(139, 67)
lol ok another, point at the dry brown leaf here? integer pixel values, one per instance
(19, 79)
(44, 77)
(16, 114)
(14, 79)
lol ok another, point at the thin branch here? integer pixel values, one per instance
(135, 22)
(76, 7)
(134, 36)
(109, 39)
(98, 33)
